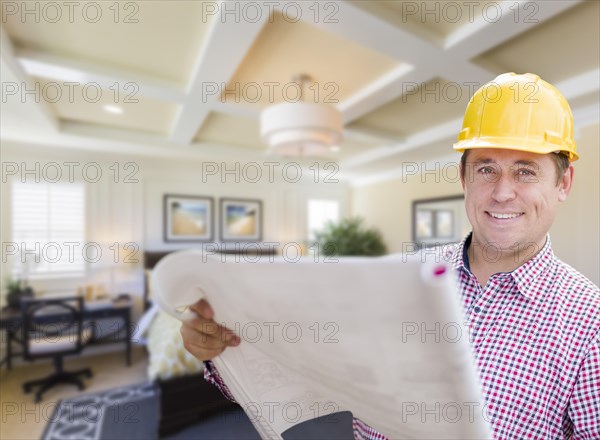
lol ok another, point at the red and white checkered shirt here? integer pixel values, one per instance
(535, 334)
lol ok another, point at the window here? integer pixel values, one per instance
(319, 213)
(48, 229)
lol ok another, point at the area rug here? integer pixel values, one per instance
(130, 412)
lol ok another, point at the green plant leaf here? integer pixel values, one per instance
(350, 238)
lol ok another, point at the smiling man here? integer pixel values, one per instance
(511, 198)
(534, 321)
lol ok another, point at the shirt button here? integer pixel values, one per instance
(477, 309)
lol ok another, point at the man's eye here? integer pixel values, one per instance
(525, 172)
(486, 170)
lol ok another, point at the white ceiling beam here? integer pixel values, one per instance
(422, 60)
(371, 179)
(580, 85)
(585, 116)
(485, 33)
(438, 133)
(7, 52)
(372, 95)
(354, 24)
(95, 137)
(451, 62)
(225, 47)
(12, 70)
(57, 68)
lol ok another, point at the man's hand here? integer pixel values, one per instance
(203, 337)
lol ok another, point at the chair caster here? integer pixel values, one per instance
(38, 398)
(89, 374)
(26, 389)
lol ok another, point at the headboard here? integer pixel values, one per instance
(151, 258)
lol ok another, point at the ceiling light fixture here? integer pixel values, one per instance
(301, 128)
(113, 109)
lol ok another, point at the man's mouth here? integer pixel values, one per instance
(504, 215)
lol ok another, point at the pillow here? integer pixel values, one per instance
(139, 332)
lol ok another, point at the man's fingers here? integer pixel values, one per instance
(211, 328)
(232, 339)
(204, 353)
(204, 329)
(203, 309)
(203, 337)
(206, 325)
(204, 346)
(201, 341)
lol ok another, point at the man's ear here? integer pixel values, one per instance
(565, 185)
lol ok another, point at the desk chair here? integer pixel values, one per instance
(53, 328)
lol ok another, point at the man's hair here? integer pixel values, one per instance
(561, 162)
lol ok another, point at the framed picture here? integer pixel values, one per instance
(241, 220)
(444, 223)
(439, 221)
(188, 218)
(424, 223)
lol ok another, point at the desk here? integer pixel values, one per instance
(120, 311)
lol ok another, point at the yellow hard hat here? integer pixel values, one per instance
(518, 112)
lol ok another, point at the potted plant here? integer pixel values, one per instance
(17, 289)
(349, 237)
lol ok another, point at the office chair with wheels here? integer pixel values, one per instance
(53, 328)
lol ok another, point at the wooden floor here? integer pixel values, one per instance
(24, 419)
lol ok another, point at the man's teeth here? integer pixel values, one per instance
(499, 215)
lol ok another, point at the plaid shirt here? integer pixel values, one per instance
(535, 335)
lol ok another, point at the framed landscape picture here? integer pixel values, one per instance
(241, 220)
(444, 223)
(424, 223)
(188, 218)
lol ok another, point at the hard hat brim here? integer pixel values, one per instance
(531, 146)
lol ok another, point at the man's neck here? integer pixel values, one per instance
(486, 260)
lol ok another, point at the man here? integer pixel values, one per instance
(534, 320)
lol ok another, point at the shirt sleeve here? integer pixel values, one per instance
(212, 375)
(362, 431)
(584, 407)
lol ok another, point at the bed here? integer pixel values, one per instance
(186, 398)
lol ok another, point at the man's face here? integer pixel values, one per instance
(511, 196)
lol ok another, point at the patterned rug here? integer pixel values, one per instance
(130, 412)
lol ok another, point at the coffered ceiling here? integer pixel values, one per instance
(189, 78)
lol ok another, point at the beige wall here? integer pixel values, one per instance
(388, 205)
(575, 233)
(576, 230)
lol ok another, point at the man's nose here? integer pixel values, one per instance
(504, 188)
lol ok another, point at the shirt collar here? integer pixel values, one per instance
(456, 255)
(522, 275)
(532, 269)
